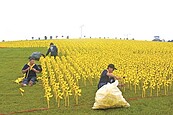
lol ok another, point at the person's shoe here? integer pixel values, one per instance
(23, 85)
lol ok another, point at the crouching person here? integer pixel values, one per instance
(108, 94)
(107, 76)
(30, 71)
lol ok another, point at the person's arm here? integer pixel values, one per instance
(43, 55)
(25, 69)
(39, 68)
(112, 75)
(36, 71)
(48, 51)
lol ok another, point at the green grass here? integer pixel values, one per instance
(11, 63)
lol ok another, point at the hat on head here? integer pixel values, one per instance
(112, 66)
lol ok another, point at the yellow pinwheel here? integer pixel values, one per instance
(21, 91)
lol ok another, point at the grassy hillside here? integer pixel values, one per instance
(11, 101)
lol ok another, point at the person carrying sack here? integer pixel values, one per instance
(107, 76)
(108, 94)
(30, 70)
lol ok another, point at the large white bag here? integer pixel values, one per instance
(109, 96)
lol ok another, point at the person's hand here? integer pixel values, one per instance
(118, 78)
(27, 68)
(33, 69)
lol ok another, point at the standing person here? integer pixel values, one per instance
(107, 76)
(30, 71)
(53, 50)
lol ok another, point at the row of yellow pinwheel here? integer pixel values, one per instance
(63, 84)
(45, 82)
(145, 67)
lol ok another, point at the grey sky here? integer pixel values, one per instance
(141, 19)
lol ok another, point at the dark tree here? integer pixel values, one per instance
(67, 37)
(170, 40)
(45, 37)
(156, 39)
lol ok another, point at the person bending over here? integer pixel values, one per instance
(53, 50)
(107, 76)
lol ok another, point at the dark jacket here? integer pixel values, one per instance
(104, 79)
(53, 50)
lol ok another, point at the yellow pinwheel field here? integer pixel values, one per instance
(146, 67)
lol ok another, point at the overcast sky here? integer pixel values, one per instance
(140, 19)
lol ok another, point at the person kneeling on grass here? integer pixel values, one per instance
(30, 71)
